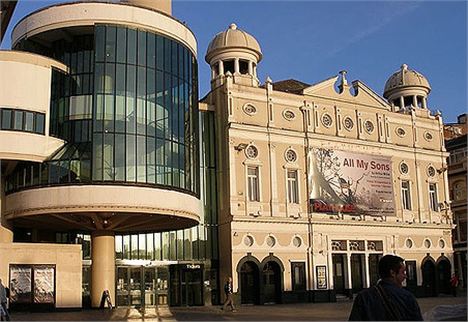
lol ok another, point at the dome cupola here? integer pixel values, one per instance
(407, 88)
(234, 52)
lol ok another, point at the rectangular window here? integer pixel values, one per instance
(293, 189)
(253, 184)
(433, 203)
(6, 119)
(29, 121)
(39, 125)
(406, 195)
(18, 122)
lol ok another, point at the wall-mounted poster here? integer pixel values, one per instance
(347, 182)
(44, 284)
(20, 284)
(321, 277)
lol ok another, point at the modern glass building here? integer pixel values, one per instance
(123, 178)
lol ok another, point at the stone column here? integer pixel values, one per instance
(103, 266)
(366, 265)
(415, 101)
(221, 67)
(251, 68)
(402, 103)
(236, 66)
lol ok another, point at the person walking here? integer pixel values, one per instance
(387, 301)
(228, 291)
(3, 302)
(454, 284)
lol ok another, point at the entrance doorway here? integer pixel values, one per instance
(357, 272)
(338, 273)
(443, 276)
(272, 282)
(141, 286)
(374, 268)
(186, 285)
(428, 274)
(249, 283)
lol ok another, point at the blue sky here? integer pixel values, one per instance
(313, 40)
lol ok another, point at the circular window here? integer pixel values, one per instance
(409, 243)
(427, 243)
(428, 136)
(248, 241)
(289, 115)
(441, 243)
(297, 242)
(251, 152)
(404, 168)
(271, 241)
(291, 156)
(401, 132)
(327, 120)
(369, 126)
(431, 171)
(348, 123)
(250, 109)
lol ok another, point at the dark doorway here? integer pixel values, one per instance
(443, 276)
(249, 283)
(338, 273)
(271, 283)
(429, 275)
(374, 268)
(186, 285)
(357, 272)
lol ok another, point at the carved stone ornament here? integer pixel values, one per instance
(249, 109)
(348, 123)
(290, 156)
(369, 126)
(327, 120)
(400, 132)
(251, 152)
(289, 115)
(404, 168)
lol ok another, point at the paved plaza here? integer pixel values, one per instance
(286, 312)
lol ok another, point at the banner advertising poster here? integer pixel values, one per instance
(20, 284)
(44, 284)
(347, 182)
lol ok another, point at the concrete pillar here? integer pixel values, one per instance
(103, 266)
(349, 279)
(6, 233)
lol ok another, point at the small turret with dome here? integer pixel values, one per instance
(234, 52)
(407, 89)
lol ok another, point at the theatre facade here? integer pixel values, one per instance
(116, 177)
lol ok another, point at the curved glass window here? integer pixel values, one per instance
(128, 109)
(22, 120)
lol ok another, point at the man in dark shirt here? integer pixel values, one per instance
(387, 301)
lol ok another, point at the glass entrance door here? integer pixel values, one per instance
(139, 286)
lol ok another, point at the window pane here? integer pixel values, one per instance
(39, 124)
(18, 120)
(6, 119)
(29, 121)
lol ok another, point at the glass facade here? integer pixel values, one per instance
(128, 111)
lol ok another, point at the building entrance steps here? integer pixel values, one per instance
(281, 312)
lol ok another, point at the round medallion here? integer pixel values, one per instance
(327, 120)
(369, 126)
(251, 152)
(348, 123)
(249, 109)
(431, 171)
(289, 115)
(404, 168)
(291, 156)
(401, 132)
(428, 136)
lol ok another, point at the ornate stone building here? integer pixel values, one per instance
(316, 182)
